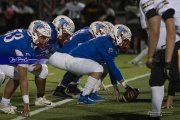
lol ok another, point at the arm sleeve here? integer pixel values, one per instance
(109, 60)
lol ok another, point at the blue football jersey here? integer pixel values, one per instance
(16, 40)
(78, 38)
(101, 49)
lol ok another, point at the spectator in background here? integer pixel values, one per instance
(92, 12)
(133, 22)
(59, 10)
(110, 13)
(25, 14)
(74, 8)
(8, 15)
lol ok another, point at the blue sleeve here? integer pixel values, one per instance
(109, 60)
(113, 80)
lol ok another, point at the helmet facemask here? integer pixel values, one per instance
(64, 37)
(40, 32)
(42, 41)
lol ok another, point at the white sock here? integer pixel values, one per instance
(157, 98)
(141, 55)
(5, 101)
(96, 86)
(89, 85)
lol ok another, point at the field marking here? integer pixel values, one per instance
(67, 100)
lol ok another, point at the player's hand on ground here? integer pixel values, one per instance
(167, 105)
(116, 94)
(169, 102)
(26, 110)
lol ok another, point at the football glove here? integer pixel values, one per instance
(167, 66)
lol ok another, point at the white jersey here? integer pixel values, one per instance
(74, 9)
(144, 7)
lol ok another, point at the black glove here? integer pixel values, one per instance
(167, 66)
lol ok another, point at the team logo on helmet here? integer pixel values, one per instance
(121, 31)
(99, 28)
(38, 25)
(63, 22)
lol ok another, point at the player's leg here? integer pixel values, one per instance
(10, 87)
(40, 81)
(60, 90)
(2, 76)
(156, 83)
(93, 95)
(94, 71)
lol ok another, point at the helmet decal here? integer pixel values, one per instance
(99, 27)
(121, 31)
(63, 22)
(38, 25)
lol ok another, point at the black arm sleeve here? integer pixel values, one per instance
(171, 89)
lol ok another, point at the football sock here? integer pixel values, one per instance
(157, 98)
(5, 101)
(89, 85)
(96, 86)
(40, 95)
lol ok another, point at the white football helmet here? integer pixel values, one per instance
(64, 26)
(122, 36)
(39, 29)
(120, 33)
(98, 28)
(110, 25)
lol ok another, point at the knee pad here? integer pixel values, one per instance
(2, 78)
(41, 73)
(44, 71)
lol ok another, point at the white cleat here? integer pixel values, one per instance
(42, 101)
(7, 108)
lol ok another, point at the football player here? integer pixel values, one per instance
(39, 70)
(157, 17)
(21, 42)
(70, 80)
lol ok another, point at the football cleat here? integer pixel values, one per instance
(42, 101)
(60, 92)
(7, 108)
(73, 89)
(85, 100)
(95, 96)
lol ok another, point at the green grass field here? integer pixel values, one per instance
(105, 110)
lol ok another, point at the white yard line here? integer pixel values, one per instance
(67, 100)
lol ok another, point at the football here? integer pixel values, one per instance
(125, 97)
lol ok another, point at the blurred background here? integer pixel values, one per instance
(19, 13)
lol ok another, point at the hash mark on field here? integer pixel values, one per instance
(67, 100)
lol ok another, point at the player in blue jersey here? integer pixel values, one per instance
(105, 49)
(101, 49)
(40, 70)
(21, 42)
(78, 38)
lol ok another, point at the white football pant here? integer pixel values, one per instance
(79, 66)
